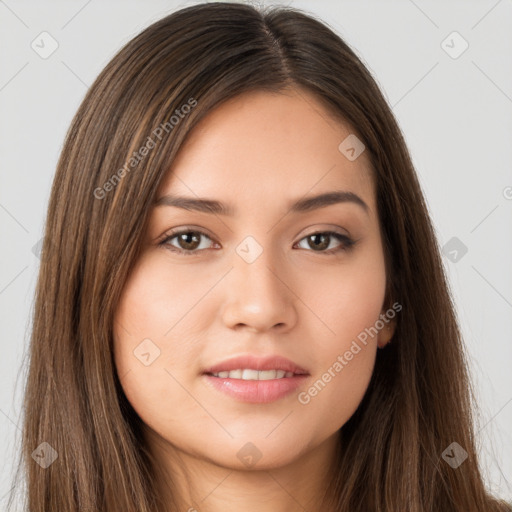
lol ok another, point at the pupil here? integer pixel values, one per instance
(189, 240)
(321, 245)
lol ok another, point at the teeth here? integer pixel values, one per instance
(255, 375)
(247, 374)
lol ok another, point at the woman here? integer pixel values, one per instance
(241, 303)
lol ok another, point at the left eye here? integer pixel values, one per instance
(322, 240)
(189, 242)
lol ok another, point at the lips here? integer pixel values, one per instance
(251, 362)
(256, 391)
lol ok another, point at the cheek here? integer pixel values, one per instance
(349, 302)
(348, 298)
(142, 353)
(155, 306)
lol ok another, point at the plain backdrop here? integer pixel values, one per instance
(452, 96)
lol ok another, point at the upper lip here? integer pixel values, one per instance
(260, 363)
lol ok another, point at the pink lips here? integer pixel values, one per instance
(256, 391)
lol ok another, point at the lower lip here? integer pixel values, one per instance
(257, 391)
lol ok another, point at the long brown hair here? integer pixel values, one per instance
(418, 401)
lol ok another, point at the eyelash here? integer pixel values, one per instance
(347, 243)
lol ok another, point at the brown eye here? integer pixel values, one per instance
(321, 241)
(187, 242)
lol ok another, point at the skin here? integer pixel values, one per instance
(293, 300)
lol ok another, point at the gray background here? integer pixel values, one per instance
(455, 114)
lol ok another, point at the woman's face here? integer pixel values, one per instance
(259, 278)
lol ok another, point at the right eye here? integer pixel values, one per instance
(188, 242)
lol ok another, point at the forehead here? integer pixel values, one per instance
(263, 146)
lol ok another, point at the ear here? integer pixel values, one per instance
(386, 333)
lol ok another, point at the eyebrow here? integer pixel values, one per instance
(300, 206)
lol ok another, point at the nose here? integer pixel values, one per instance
(258, 295)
